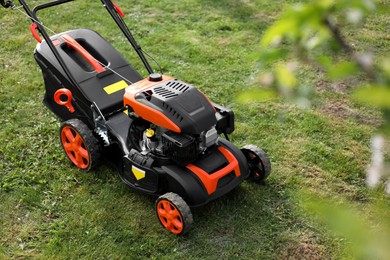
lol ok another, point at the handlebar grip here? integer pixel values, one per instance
(83, 52)
(118, 10)
(33, 29)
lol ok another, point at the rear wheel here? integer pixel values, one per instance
(174, 213)
(80, 145)
(258, 161)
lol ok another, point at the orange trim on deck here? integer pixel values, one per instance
(210, 181)
(148, 113)
(207, 98)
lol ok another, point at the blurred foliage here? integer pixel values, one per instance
(367, 238)
(310, 35)
(313, 30)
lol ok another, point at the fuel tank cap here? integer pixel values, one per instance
(155, 77)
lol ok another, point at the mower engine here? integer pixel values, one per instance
(183, 121)
(180, 148)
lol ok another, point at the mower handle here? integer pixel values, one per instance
(6, 4)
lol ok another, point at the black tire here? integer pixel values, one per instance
(174, 214)
(79, 144)
(258, 162)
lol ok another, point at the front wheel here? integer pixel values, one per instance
(258, 162)
(174, 213)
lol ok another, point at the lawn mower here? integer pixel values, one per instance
(165, 137)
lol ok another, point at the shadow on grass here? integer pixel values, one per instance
(248, 222)
(96, 210)
(251, 221)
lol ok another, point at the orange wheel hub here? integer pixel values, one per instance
(74, 147)
(170, 216)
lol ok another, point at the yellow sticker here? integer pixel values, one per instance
(115, 87)
(138, 173)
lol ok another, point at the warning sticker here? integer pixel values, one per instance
(115, 87)
(138, 173)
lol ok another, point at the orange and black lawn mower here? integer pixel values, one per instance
(165, 137)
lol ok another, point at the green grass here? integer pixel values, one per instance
(49, 209)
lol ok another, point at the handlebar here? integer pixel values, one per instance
(6, 4)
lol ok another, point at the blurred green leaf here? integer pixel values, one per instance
(298, 22)
(257, 95)
(375, 95)
(365, 241)
(324, 60)
(276, 32)
(285, 77)
(270, 55)
(385, 66)
(342, 70)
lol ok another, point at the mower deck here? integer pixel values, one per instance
(105, 88)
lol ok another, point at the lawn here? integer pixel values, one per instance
(50, 210)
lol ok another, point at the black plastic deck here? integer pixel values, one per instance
(90, 83)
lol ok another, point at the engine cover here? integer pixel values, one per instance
(171, 104)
